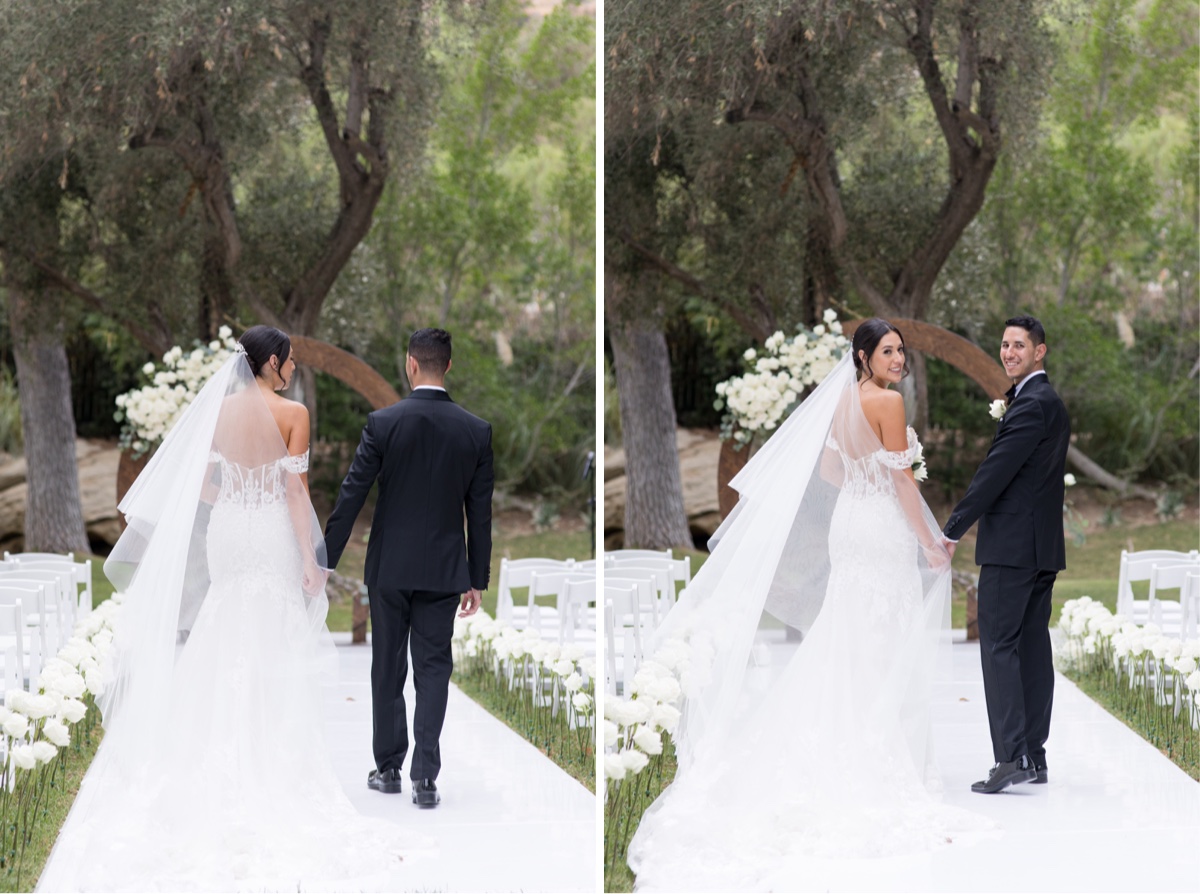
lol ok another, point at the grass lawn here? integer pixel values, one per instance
(1093, 567)
(51, 816)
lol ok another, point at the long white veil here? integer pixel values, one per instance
(225, 439)
(812, 631)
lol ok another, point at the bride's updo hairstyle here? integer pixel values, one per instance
(866, 339)
(261, 342)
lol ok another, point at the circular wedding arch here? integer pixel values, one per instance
(927, 338)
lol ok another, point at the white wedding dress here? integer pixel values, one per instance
(214, 774)
(796, 769)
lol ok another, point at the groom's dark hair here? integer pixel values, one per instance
(431, 349)
(1031, 325)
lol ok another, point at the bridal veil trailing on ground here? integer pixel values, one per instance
(214, 773)
(801, 749)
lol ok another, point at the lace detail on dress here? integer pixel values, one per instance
(871, 475)
(260, 486)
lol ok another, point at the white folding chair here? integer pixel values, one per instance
(30, 600)
(81, 570)
(652, 582)
(575, 612)
(1167, 613)
(1189, 600)
(678, 571)
(12, 637)
(623, 630)
(622, 555)
(18, 557)
(13, 672)
(514, 574)
(1136, 566)
(543, 584)
(54, 614)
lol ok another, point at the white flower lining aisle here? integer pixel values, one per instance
(49, 716)
(1152, 678)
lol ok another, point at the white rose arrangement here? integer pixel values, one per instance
(542, 683)
(149, 412)
(761, 398)
(41, 727)
(1147, 675)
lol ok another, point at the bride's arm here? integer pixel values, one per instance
(895, 440)
(299, 503)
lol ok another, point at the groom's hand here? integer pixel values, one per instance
(470, 603)
(950, 545)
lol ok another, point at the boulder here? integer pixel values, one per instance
(97, 461)
(699, 450)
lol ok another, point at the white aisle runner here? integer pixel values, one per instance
(1116, 815)
(510, 818)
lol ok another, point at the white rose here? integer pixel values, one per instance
(1069, 480)
(1193, 681)
(648, 740)
(614, 767)
(148, 369)
(666, 717)
(611, 734)
(44, 752)
(997, 409)
(23, 757)
(72, 710)
(830, 315)
(564, 668)
(16, 726)
(582, 702)
(573, 683)
(56, 731)
(40, 706)
(750, 354)
(634, 761)
(1185, 666)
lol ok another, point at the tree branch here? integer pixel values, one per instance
(753, 327)
(157, 344)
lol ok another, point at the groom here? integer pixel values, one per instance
(433, 462)
(1017, 498)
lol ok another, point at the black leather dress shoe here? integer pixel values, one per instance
(386, 781)
(1004, 774)
(425, 793)
(1042, 774)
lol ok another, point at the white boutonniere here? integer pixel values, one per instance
(997, 409)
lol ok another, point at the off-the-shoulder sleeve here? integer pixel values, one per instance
(296, 464)
(901, 459)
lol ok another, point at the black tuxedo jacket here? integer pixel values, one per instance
(433, 461)
(1017, 493)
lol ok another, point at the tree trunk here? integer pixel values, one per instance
(919, 376)
(53, 512)
(654, 514)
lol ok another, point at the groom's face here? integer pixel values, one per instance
(1019, 354)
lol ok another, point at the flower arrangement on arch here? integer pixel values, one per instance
(762, 397)
(148, 412)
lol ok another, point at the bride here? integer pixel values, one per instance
(792, 769)
(213, 773)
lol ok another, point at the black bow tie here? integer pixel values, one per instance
(1009, 395)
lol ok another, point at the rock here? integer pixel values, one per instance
(699, 450)
(97, 461)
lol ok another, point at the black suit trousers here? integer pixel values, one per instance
(1018, 666)
(424, 622)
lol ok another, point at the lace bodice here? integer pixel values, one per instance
(257, 487)
(871, 475)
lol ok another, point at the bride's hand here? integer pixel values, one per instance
(314, 577)
(936, 555)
